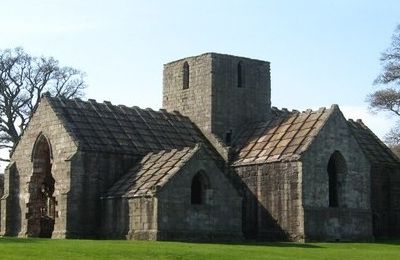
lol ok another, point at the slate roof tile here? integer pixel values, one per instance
(105, 127)
(374, 149)
(289, 134)
(152, 171)
(285, 136)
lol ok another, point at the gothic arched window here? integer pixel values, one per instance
(42, 202)
(336, 171)
(200, 185)
(185, 75)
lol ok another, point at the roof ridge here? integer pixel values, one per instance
(106, 102)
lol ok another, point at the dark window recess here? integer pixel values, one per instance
(185, 76)
(198, 189)
(228, 137)
(333, 189)
(336, 170)
(239, 75)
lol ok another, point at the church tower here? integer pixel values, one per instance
(218, 92)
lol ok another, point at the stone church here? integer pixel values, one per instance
(217, 162)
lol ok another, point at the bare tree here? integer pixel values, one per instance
(392, 138)
(388, 98)
(390, 60)
(23, 79)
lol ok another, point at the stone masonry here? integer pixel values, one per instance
(212, 99)
(216, 163)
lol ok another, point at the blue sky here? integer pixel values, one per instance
(321, 52)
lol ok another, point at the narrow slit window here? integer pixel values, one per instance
(337, 169)
(239, 75)
(185, 78)
(333, 189)
(228, 137)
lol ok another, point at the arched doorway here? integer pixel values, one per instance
(41, 206)
(337, 170)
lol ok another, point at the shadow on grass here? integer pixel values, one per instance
(259, 243)
(4, 240)
(394, 242)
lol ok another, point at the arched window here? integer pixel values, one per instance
(185, 75)
(200, 185)
(239, 75)
(42, 203)
(337, 170)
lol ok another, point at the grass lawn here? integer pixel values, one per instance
(13, 248)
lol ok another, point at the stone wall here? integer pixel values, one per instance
(1, 185)
(1, 194)
(395, 202)
(214, 101)
(217, 218)
(17, 179)
(143, 218)
(194, 102)
(92, 174)
(233, 106)
(351, 219)
(385, 202)
(114, 218)
(80, 179)
(272, 202)
(9, 205)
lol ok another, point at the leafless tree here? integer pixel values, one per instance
(392, 138)
(23, 80)
(388, 98)
(390, 60)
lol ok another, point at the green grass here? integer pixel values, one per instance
(13, 248)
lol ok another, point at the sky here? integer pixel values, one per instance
(321, 52)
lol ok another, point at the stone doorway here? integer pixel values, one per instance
(42, 205)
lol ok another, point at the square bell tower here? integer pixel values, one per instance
(218, 92)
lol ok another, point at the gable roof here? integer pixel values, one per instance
(151, 173)
(373, 148)
(285, 137)
(105, 127)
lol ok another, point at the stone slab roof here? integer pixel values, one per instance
(120, 129)
(374, 149)
(151, 173)
(284, 137)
